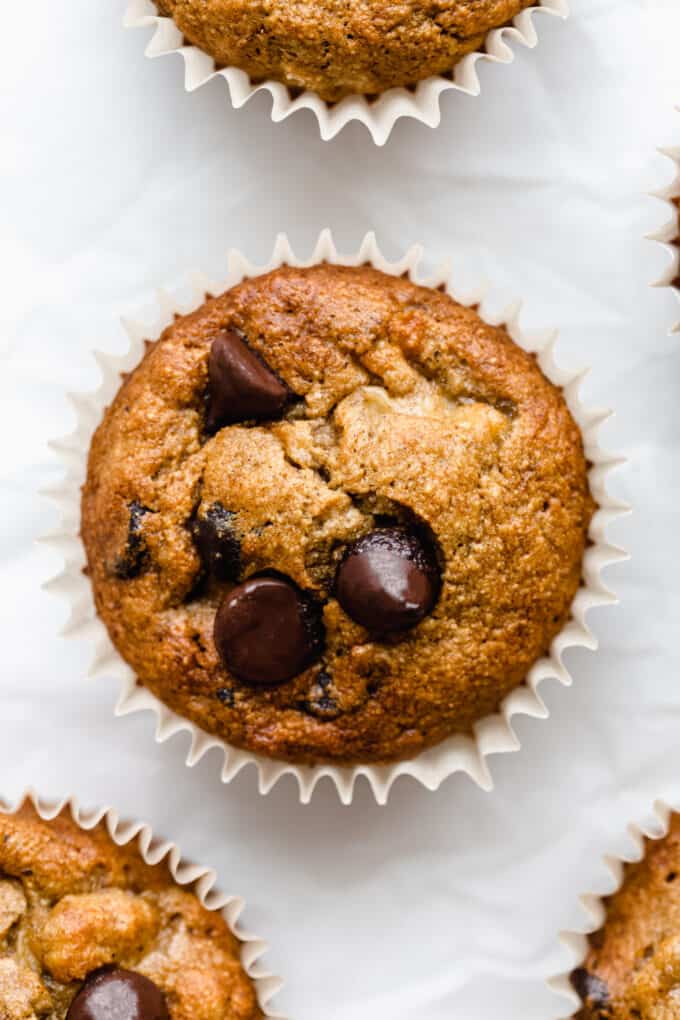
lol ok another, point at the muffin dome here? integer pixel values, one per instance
(89, 931)
(340, 47)
(333, 516)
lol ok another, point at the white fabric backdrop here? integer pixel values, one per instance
(116, 182)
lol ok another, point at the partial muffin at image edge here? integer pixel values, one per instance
(632, 967)
(334, 516)
(363, 47)
(89, 931)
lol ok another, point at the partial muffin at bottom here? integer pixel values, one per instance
(387, 476)
(89, 931)
(632, 970)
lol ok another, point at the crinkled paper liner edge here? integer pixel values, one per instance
(594, 907)
(493, 734)
(154, 850)
(668, 235)
(378, 116)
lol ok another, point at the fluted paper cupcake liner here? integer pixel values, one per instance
(493, 734)
(379, 115)
(594, 907)
(198, 878)
(668, 235)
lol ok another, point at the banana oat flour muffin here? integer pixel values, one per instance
(632, 970)
(339, 47)
(88, 931)
(334, 516)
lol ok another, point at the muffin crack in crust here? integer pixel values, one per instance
(340, 47)
(74, 906)
(386, 422)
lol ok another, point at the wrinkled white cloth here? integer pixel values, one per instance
(115, 182)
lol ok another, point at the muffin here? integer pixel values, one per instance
(334, 516)
(89, 931)
(676, 281)
(632, 970)
(336, 49)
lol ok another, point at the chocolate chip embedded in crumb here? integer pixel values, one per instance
(591, 989)
(267, 630)
(388, 580)
(218, 543)
(241, 387)
(135, 557)
(225, 695)
(112, 992)
(324, 679)
(321, 702)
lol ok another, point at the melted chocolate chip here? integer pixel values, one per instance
(591, 989)
(388, 580)
(241, 387)
(267, 630)
(136, 555)
(217, 543)
(114, 994)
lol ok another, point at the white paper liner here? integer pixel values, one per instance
(493, 734)
(378, 116)
(197, 877)
(594, 908)
(668, 235)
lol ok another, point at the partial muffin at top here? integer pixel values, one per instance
(339, 47)
(334, 516)
(632, 970)
(89, 931)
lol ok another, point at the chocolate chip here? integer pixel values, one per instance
(217, 542)
(111, 992)
(241, 387)
(324, 679)
(325, 709)
(388, 580)
(225, 695)
(136, 555)
(320, 702)
(267, 630)
(591, 989)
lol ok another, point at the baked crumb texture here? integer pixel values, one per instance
(72, 901)
(340, 47)
(406, 410)
(632, 970)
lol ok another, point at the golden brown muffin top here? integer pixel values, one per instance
(408, 411)
(72, 901)
(632, 971)
(339, 47)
